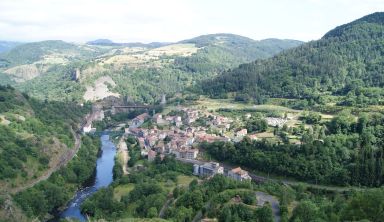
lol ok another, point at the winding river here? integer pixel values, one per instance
(103, 178)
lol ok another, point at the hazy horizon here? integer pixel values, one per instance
(171, 20)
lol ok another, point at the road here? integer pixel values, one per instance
(64, 159)
(263, 198)
(62, 162)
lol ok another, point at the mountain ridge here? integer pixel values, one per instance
(334, 63)
(50, 69)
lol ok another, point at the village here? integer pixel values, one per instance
(180, 134)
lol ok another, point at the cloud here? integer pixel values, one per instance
(173, 20)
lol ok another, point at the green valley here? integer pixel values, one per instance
(219, 127)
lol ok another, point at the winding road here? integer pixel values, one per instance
(64, 159)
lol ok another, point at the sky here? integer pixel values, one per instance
(175, 20)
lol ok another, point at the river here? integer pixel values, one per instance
(103, 178)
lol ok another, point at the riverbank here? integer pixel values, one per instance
(56, 191)
(104, 166)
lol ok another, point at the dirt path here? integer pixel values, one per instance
(262, 198)
(63, 161)
(165, 206)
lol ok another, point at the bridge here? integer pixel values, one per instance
(111, 133)
(114, 108)
(133, 107)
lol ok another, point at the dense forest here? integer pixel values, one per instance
(347, 61)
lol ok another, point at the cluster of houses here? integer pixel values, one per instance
(179, 135)
(174, 139)
(212, 168)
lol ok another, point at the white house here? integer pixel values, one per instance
(88, 128)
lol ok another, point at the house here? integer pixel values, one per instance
(239, 174)
(162, 135)
(88, 128)
(151, 155)
(133, 131)
(208, 169)
(191, 154)
(157, 117)
(150, 140)
(241, 133)
(219, 120)
(160, 147)
(177, 121)
(139, 120)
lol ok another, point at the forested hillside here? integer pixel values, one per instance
(347, 61)
(223, 51)
(140, 72)
(33, 135)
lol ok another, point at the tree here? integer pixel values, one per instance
(257, 125)
(305, 211)
(366, 205)
(152, 212)
(183, 214)
(264, 214)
